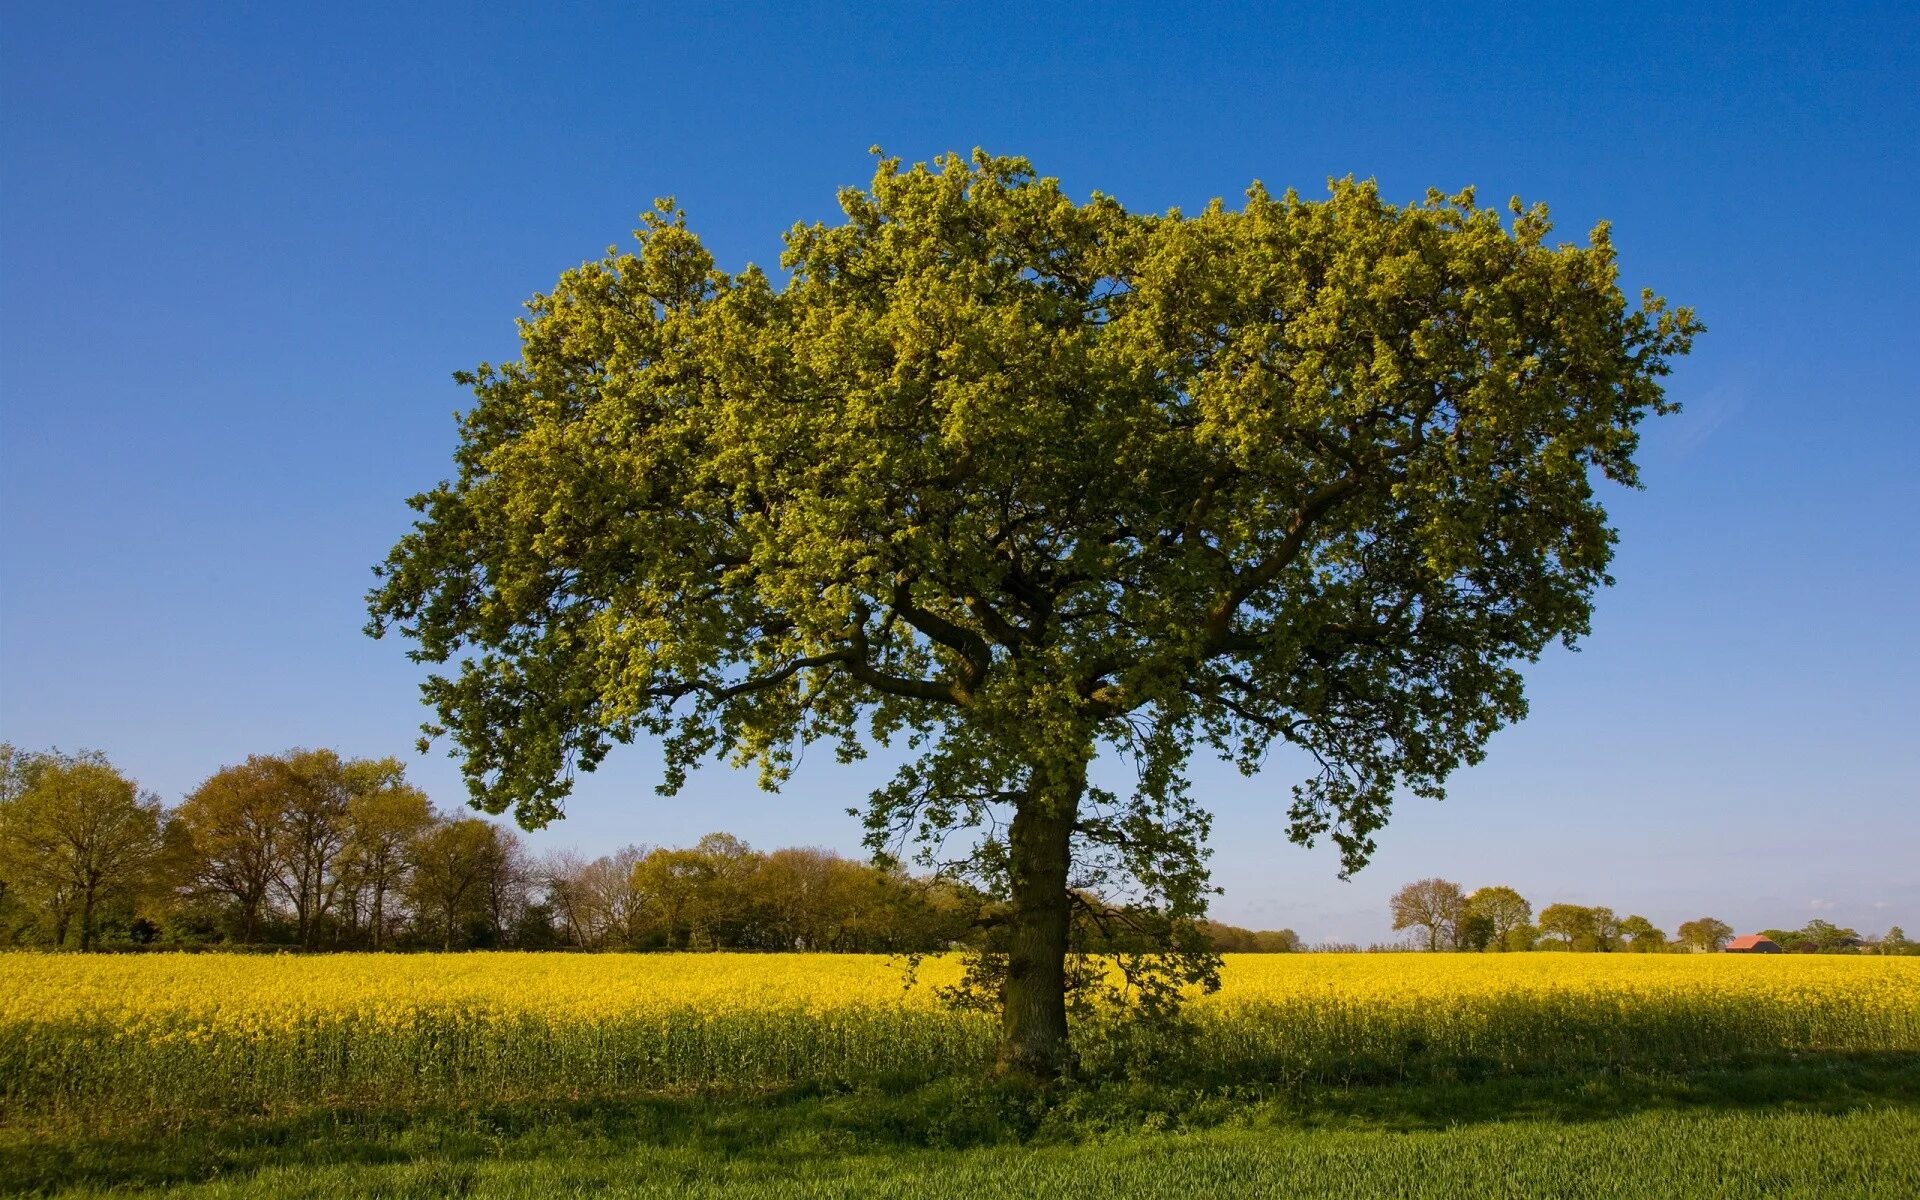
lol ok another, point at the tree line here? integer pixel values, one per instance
(312, 850)
(1498, 918)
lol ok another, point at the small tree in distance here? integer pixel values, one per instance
(1707, 934)
(1568, 926)
(1505, 913)
(1826, 937)
(1434, 905)
(1475, 932)
(1018, 480)
(1642, 936)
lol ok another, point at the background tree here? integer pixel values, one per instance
(384, 818)
(307, 829)
(14, 766)
(1475, 932)
(1827, 938)
(558, 875)
(1642, 936)
(75, 836)
(1434, 905)
(1505, 911)
(448, 886)
(1230, 939)
(809, 897)
(1607, 931)
(1705, 934)
(1818, 936)
(318, 789)
(600, 903)
(672, 882)
(15, 917)
(722, 905)
(506, 883)
(1028, 479)
(234, 820)
(1566, 925)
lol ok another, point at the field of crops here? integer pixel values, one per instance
(178, 1033)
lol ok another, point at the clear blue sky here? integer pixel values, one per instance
(241, 252)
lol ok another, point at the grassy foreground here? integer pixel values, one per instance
(1820, 1126)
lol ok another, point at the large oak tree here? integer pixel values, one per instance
(1019, 480)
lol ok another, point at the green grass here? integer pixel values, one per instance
(1810, 1125)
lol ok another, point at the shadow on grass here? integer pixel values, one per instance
(800, 1123)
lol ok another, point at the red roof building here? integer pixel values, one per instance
(1753, 943)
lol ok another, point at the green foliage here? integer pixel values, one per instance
(1705, 934)
(1231, 939)
(1642, 937)
(1815, 937)
(1521, 937)
(1581, 927)
(1503, 913)
(80, 846)
(1828, 938)
(320, 839)
(457, 881)
(1475, 933)
(721, 894)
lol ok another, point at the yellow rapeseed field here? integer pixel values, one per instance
(189, 1030)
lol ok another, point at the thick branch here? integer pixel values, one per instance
(969, 645)
(997, 626)
(853, 660)
(1246, 583)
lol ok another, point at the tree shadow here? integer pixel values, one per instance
(898, 1116)
(1817, 1082)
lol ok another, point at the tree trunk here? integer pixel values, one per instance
(86, 920)
(1033, 999)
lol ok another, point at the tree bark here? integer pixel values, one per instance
(1033, 998)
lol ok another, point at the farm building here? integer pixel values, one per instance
(1753, 943)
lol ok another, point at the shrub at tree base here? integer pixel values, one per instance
(180, 1034)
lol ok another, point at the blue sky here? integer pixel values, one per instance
(242, 250)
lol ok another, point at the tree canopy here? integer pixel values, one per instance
(1705, 934)
(1020, 479)
(75, 836)
(1506, 914)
